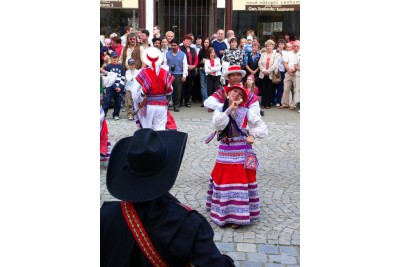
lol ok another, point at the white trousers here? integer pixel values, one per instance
(297, 89)
(156, 117)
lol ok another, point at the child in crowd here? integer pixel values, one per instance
(106, 52)
(130, 76)
(116, 89)
(251, 87)
(248, 46)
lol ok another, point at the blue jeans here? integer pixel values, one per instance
(111, 93)
(203, 84)
(279, 89)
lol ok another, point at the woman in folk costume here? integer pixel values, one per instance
(232, 196)
(149, 93)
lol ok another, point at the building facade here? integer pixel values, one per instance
(203, 17)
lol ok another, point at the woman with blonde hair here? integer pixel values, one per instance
(268, 63)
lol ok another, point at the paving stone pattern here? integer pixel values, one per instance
(274, 240)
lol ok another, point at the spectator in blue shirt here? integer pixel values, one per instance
(117, 88)
(219, 44)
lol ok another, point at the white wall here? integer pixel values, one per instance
(149, 18)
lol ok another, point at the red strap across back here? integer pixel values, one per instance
(140, 234)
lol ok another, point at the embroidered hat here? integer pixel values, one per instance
(234, 69)
(152, 55)
(250, 38)
(114, 54)
(240, 86)
(145, 166)
(131, 61)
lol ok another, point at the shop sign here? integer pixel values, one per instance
(272, 8)
(266, 5)
(119, 4)
(111, 4)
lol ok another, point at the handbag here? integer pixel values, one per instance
(276, 78)
(251, 162)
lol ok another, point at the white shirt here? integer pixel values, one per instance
(291, 59)
(130, 77)
(226, 41)
(217, 67)
(281, 67)
(123, 39)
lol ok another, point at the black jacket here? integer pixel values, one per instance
(178, 235)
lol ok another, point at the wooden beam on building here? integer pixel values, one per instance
(228, 15)
(142, 14)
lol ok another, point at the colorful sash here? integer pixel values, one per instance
(140, 235)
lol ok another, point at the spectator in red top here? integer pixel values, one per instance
(117, 46)
(192, 60)
(289, 38)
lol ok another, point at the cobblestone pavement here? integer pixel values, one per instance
(273, 241)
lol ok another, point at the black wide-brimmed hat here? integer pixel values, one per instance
(145, 166)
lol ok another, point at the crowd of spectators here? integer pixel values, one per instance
(198, 64)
